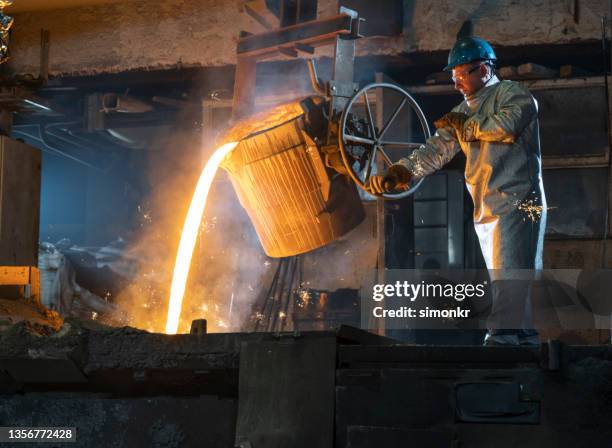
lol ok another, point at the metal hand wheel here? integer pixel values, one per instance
(361, 143)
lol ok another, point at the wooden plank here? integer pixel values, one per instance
(26, 277)
(507, 72)
(35, 284)
(531, 70)
(14, 275)
(571, 71)
(19, 203)
(438, 78)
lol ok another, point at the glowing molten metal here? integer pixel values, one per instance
(189, 236)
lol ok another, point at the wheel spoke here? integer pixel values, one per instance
(393, 116)
(354, 138)
(367, 104)
(369, 164)
(386, 158)
(402, 144)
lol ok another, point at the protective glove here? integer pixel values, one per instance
(455, 120)
(397, 178)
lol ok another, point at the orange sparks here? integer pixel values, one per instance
(189, 236)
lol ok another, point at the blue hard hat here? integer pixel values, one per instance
(469, 49)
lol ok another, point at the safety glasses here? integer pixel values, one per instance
(464, 75)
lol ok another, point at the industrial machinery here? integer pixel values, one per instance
(296, 165)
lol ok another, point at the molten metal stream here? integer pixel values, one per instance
(189, 236)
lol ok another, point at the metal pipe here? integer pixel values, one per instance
(271, 290)
(289, 296)
(278, 296)
(316, 83)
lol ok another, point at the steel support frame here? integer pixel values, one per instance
(341, 29)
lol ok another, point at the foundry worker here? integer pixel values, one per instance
(496, 126)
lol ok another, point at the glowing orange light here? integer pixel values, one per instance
(189, 236)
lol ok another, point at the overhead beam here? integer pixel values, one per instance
(314, 34)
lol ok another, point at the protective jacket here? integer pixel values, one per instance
(503, 171)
